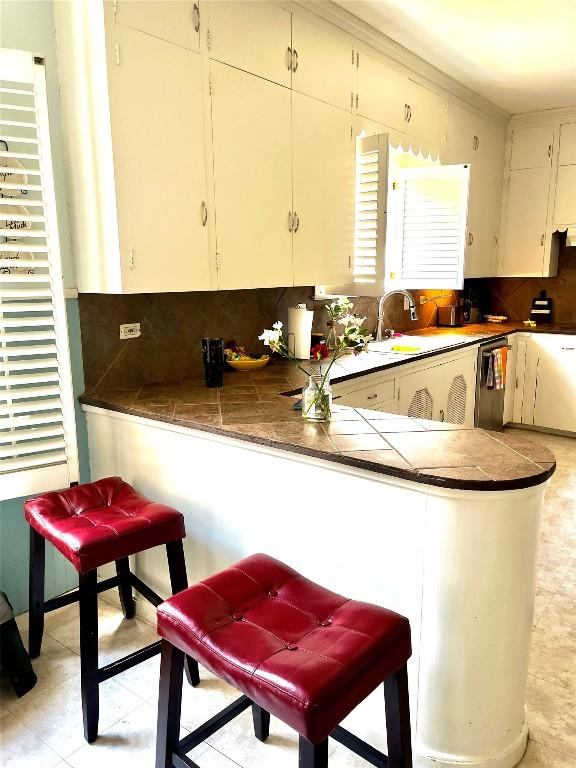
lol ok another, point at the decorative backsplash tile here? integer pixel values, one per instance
(173, 325)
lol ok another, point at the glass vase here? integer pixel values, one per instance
(317, 399)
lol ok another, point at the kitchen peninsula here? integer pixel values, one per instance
(437, 521)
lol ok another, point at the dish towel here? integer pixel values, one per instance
(496, 375)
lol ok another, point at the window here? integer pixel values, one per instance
(38, 449)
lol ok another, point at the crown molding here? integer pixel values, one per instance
(545, 116)
(419, 69)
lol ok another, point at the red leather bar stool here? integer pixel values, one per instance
(92, 525)
(294, 649)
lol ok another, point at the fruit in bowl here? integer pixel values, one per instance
(240, 360)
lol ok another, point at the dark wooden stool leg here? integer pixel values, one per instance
(398, 719)
(169, 704)
(36, 593)
(89, 653)
(125, 588)
(313, 755)
(261, 720)
(178, 582)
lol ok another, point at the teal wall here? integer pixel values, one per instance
(29, 25)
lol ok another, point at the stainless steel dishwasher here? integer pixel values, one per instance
(489, 413)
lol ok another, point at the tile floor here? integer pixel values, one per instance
(44, 728)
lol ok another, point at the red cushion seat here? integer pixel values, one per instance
(97, 523)
(302, 652)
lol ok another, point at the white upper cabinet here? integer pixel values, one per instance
(253, 36)
(474, 140)
(531, 147)
(565, 200)
(323, 195)
(388, 96)
(156, 94)
(252, 179)
(323, 64)
(176, 21)
(525, 232)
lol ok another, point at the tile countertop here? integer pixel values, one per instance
(250, 407)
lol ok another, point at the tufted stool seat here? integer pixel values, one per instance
(92, 525)
(295, 649)
(98, 523)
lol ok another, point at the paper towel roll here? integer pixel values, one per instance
(300, 331)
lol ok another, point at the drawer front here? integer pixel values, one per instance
(369, 397)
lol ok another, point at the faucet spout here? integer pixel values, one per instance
(384, 298)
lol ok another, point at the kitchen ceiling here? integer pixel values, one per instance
(519, 54)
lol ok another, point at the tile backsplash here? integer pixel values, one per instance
(512, 296)
(173, 325)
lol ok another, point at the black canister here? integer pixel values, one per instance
(213, 357)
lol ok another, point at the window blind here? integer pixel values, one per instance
(433, 225)
(38, 450)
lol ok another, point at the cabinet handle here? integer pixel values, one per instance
(289, 58)
(356, 101)
(568, 349)
(294, 60)
(542, 239)
(296, 222)
(470, 238)
(408, 112)
(372, 397)
(204, 213)
(290, 221)
(441, 415)
(549, 150)
(475, 143)
(196, 17)
(405, 113)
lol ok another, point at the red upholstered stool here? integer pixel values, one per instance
(296, 650)
(91, 525)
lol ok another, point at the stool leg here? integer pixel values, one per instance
(169, 704)
(89, 653)
(261, 720)
(178, 582)
(398, 719)
(125, 588)
(312, 755)
(36, 593)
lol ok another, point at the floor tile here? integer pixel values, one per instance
(542, 598)
(22, 748)
(538, 756)
(552, 715)
(63, 729)
(201, 703)
(554, 563)
(568, 586)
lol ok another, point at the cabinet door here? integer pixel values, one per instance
(252, 179)
(525, 224)
(323, 193)
(565, 205)
(159, 164)
(176, 21)
(531, 147)
(567, 154)
(418, 394)
(555, 382)
(382, 93)
(323, 65)
(253, 36)
(427, 113)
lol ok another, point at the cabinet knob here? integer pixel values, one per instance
(441, 415)
(204, 213)
(196, 17)
(289, 58)
(372, 397)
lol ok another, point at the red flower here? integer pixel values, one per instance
(320, 351)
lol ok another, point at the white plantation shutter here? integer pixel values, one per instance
(370, 221)
(432, 211)
(38, 450)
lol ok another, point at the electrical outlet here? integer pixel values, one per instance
(130, 331)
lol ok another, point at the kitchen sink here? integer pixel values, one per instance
(417, 345)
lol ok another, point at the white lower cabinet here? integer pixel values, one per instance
(441, 391)
(251, 120)
(549, 392)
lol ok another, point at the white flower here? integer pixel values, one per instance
(277, 325)
(271, 338)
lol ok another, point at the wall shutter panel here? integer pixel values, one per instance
(457, 395)
(38, 450)
(433, 212)
(370, 213)
(422, 405)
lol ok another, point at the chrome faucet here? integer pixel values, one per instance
(383, 300)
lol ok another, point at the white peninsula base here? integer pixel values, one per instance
(460, 564)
